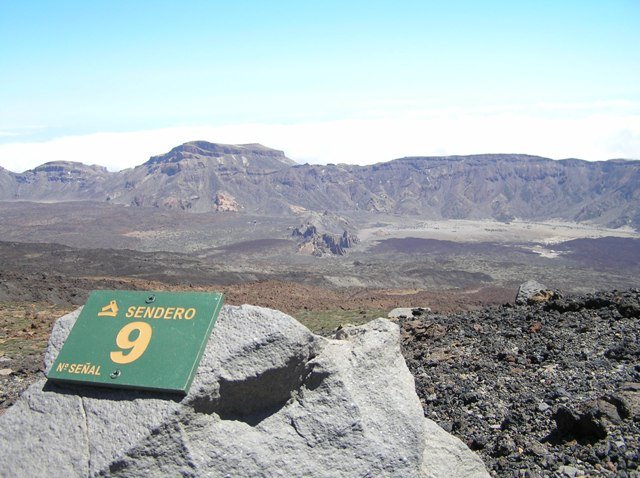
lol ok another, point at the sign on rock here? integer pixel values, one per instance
(133, 339)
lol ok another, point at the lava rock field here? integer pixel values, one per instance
(541, 389)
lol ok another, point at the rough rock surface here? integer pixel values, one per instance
(269, 399)
(545, 389)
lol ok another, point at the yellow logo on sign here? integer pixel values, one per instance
(110, 310)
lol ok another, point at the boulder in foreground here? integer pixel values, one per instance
(270, 399)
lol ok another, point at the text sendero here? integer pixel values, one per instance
(169, 313)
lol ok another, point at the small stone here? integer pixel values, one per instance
(607, 410)
(628, 403)
(5, 371)
(570, 471)
(504, 446)
(536, 448)
(584, 423)
(447, 426)
(535, 328)
(532, 292)
(477, 442)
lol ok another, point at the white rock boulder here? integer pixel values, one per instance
(270, 399)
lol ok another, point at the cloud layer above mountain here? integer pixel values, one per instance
(591, 132)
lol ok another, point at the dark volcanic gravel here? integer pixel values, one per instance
(547, 389)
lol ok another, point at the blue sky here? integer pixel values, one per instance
(354, 81)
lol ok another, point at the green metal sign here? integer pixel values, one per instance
(133, 339)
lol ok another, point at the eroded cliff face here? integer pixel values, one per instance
(201, 177)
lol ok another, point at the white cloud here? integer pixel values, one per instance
(600, 133)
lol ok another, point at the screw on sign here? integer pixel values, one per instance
(133, 339)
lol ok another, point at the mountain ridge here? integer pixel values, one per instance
(514, 157)
(202, 177)
(204, 149)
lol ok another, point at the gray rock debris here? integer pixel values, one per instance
(270, 399)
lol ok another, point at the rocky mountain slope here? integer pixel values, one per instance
(60, 181)
(202, 177)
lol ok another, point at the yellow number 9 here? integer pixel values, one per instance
(137, 346)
